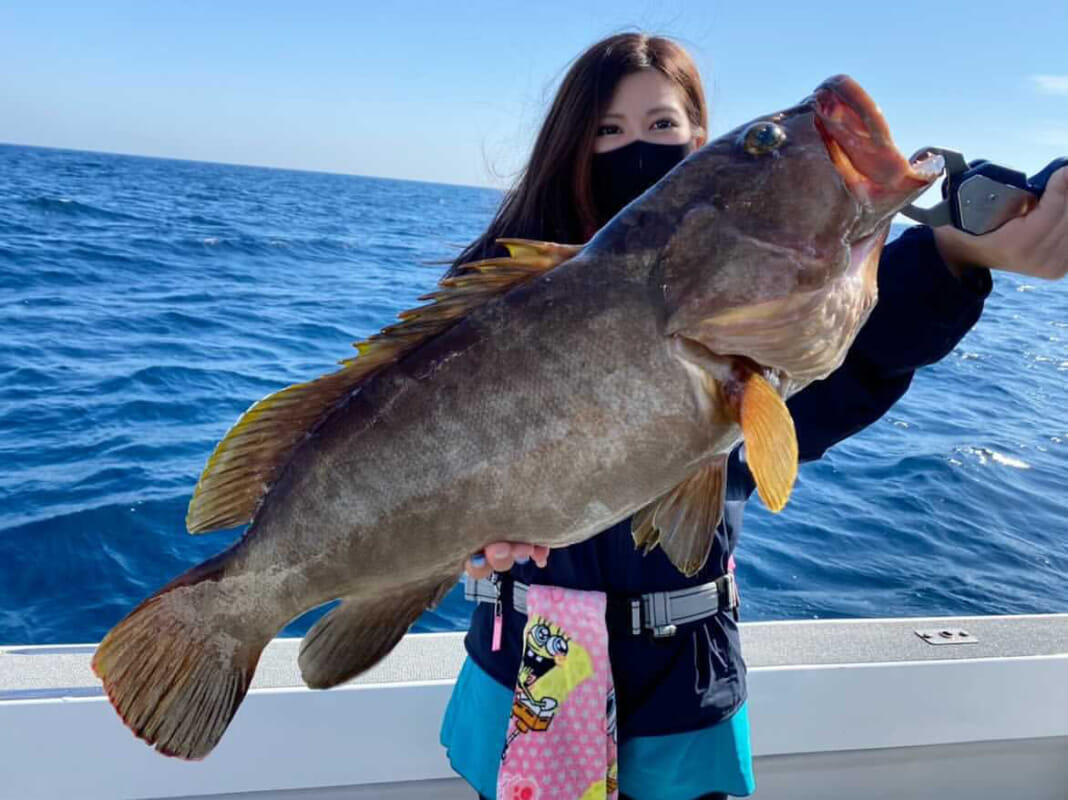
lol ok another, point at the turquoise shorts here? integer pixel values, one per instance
(678, 766)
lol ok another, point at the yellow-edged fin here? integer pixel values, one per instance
(249, 459)
(683, 521)
(645, 534)
(770, 441)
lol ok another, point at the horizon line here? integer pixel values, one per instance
(245, 164)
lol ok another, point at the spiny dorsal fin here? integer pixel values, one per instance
(249, 459)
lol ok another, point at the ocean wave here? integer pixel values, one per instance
(200, 220)
(73, 208)
(225, 245)
(30, 378)
(9, 228)
(984, 456)
(272, 245)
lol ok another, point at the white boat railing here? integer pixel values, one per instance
(849, 709)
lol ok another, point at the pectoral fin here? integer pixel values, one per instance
(684, 520)
(732, 388)
(770, 441)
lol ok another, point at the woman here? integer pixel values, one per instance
(628, 110)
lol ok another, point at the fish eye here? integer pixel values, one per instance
(557, 646)
(540, 634)
(763, 137)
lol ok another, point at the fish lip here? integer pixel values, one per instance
(858, 141)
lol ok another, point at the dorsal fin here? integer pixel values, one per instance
(249, 459)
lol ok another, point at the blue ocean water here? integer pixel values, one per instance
(145, 303)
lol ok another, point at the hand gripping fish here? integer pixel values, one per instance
(539, 398)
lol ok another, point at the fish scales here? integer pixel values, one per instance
(480, 435)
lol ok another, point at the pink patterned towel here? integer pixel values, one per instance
(562, 734)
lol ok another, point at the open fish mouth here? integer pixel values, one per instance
(859, 143)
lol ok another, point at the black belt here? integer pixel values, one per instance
(657, 612)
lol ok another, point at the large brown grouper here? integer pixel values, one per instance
(539, 398)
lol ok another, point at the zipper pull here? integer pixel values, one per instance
(498, 614)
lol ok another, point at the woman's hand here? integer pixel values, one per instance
(499, 557)
(1035, 245)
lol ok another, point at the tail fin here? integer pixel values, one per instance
(176, 678)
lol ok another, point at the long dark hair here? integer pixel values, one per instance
(552, 199)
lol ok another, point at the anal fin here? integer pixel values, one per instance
(684, 520)
(360, 632)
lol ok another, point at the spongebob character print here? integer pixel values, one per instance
(561, 735)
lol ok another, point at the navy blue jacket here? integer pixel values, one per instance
(696, 678)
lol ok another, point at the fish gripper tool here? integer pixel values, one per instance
(980, 196)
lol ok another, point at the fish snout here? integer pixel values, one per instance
(860, 146)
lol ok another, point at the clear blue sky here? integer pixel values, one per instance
(454, 91)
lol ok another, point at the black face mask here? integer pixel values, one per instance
(621, 175)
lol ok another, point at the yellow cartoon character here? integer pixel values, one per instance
(553, 665)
